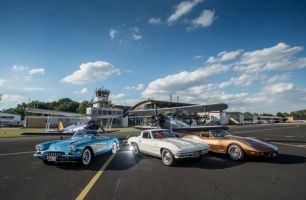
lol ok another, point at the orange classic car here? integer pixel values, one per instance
(221, 141)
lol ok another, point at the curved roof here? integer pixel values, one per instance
(170, 107)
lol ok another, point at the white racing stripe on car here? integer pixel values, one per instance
(17, 153)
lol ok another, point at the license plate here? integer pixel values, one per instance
(51, 158)
(195, 155)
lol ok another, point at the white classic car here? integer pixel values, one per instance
(164, 144)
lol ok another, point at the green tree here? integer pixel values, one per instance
(82, 106)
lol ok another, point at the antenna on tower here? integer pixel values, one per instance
(170, 97)
(178, 99)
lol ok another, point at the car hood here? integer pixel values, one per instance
(256, 143)
(185, 143)
(62, 145)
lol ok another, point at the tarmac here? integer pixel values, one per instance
(125, 176)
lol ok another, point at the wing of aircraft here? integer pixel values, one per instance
(189, 109)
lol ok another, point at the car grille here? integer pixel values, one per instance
(54, 153)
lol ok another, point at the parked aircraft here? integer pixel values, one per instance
(166, 118)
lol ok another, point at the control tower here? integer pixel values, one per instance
(101, 98)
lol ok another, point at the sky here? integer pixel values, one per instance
(248, 54)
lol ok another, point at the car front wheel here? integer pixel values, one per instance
(135, 148)
(114, 147)
(86, 157)
(235, 152)
(167, 157)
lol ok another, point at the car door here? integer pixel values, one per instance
(143, 141)
(99, 144)
(146, 143)
(210, 140)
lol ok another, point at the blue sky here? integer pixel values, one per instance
(249, 54)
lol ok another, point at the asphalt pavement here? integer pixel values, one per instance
(143, 177)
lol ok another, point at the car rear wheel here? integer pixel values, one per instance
(114, 147)
(167, 157)
(235, 152)
(87, 157)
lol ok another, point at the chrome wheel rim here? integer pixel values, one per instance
(235, 152)
(86, 157)
(166, 157)
(114, 147)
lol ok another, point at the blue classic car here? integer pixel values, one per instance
(83, 146)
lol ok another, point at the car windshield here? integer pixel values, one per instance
(219, 133)
(84, 133)
(160, 134)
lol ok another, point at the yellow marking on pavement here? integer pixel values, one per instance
(291, 145)
(92, 182)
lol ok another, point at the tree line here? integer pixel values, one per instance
(64, 104)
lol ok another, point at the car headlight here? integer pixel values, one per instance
(73, 148)
(39, 147)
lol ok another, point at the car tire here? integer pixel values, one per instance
(235, 152)
(87, 157)
(114, 147)
(167, 157)
(135, 149)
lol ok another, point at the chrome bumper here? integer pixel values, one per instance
(58, 158)
(194, 154)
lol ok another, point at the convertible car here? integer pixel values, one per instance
(83, 146)
(221, 141)
(164, 144)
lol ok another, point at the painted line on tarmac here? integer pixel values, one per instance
(17, 153)
(92, 182)
(267, 129)
(291, 145)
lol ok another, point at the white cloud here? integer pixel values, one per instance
(136, 36)
(12, 98)
(117, 96)
(154, 20)
(112, 33)
(91, 71)
(20, 68)
(37, 71)
(278, 78)
(181, 9)
(82, 91)
(138, 87)
(127, 102)
(205, 19)
(27, 72)
(33, 88)
(197, 57)
(135, 33)
(278, 57)
(243, 80)
(272, 66)
(181, 81)
(225, 56)
(2, 81)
